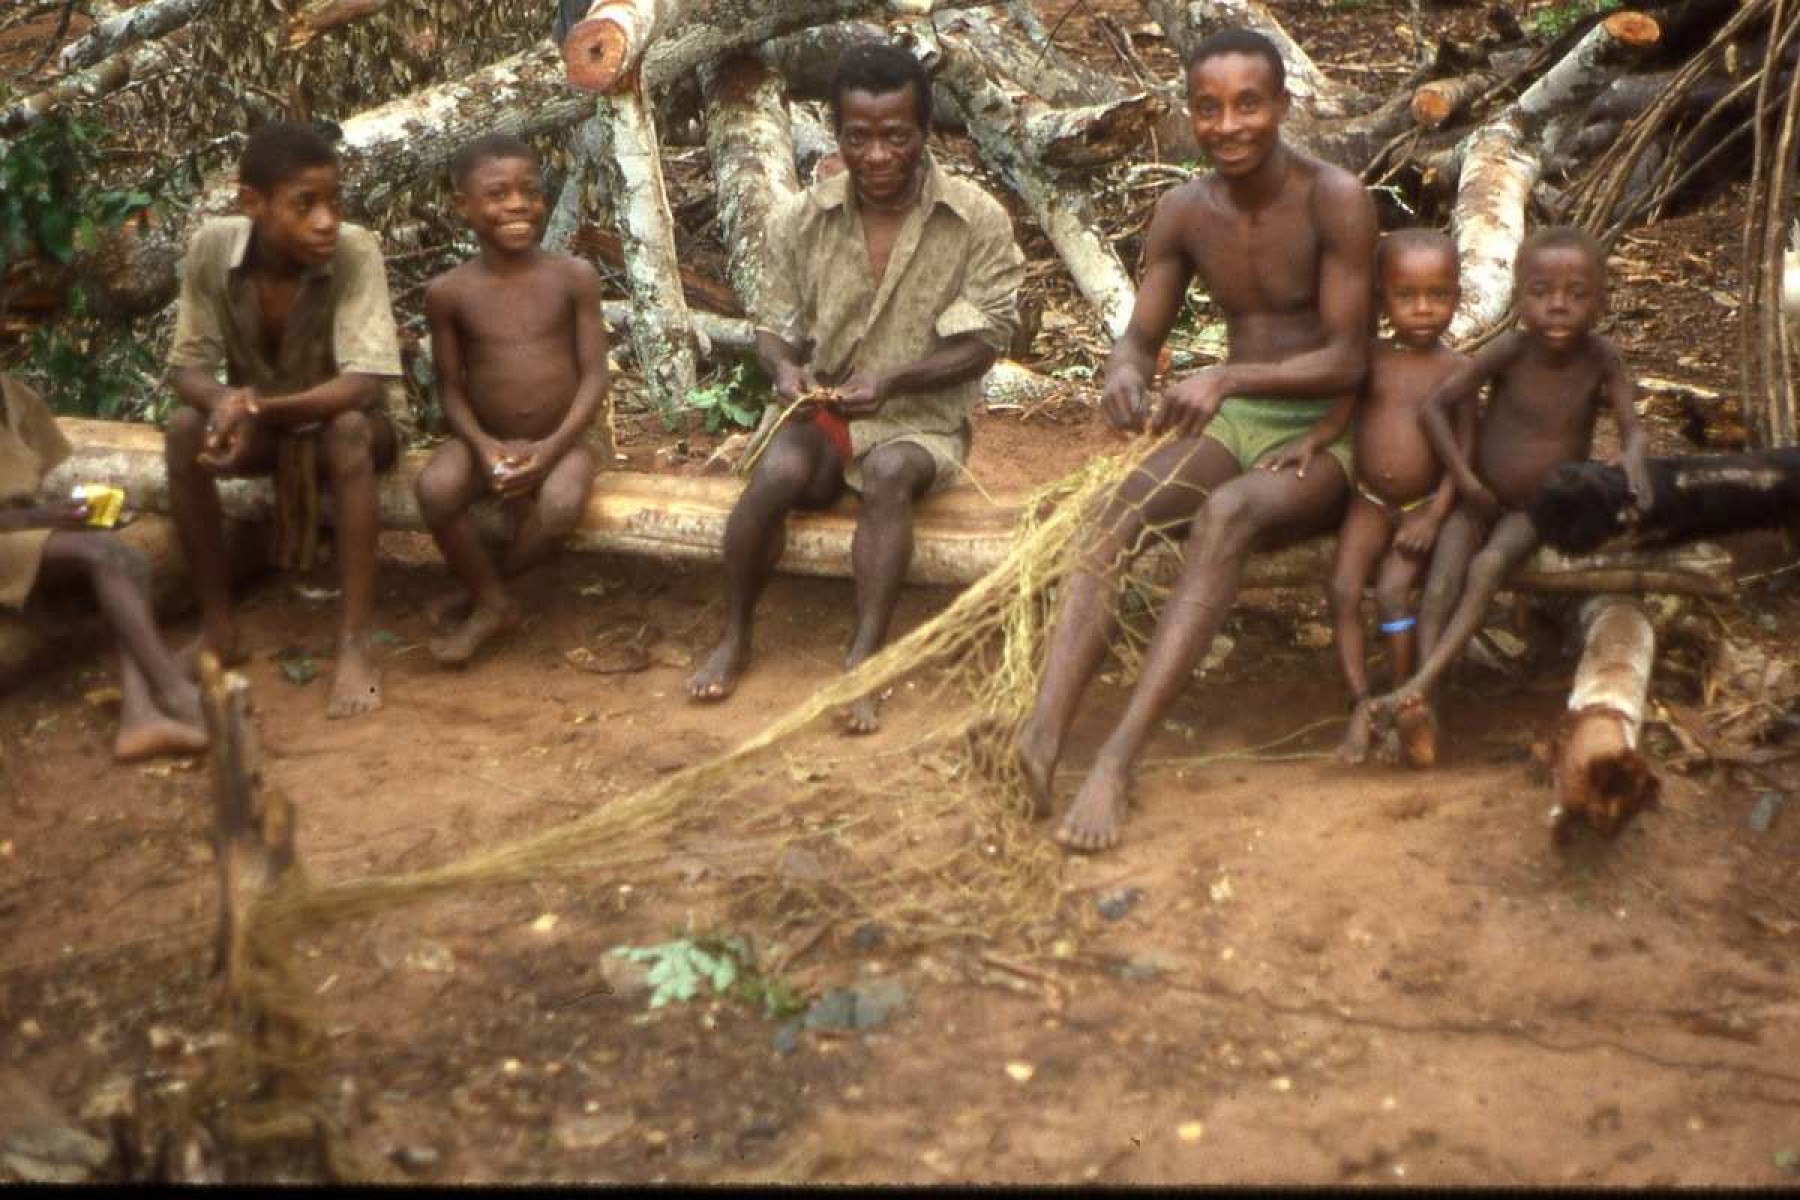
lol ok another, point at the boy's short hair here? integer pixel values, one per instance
(880, 69)
(1561, 237)
(1240, 41)
(1412, 238)
(487, 148)
(281, 150)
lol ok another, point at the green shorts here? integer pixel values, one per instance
(1254, 429)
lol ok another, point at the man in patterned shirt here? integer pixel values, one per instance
(888, 292)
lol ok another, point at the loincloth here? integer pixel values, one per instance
(21, 553)
(1254, 429)
(294, 545)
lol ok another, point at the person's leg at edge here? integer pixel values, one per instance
(1166, 490)
(798, 468)
(194, 503)
(351, 446)
(894, 476)
(1255, 510)
(159, 710)
(1512, 540)
(1366, 533)
(445, 489)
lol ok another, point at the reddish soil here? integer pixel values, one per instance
(1363, 975)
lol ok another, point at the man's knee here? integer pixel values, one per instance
(893, 476)
(1489, 569)
(1228, 521)
(348, 443)
(565, 492)
(184, 438)
(783, 471)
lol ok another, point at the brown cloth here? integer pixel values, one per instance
(30, 445)
(955, 269)
(340, 323)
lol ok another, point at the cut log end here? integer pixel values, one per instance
(1431, 107)
(1634, 29)
(596, 54)
(1601, 778)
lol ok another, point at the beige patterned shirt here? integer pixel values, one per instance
(30, 445)
(341, 322)
(954, 269)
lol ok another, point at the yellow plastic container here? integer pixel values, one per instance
(104, 503)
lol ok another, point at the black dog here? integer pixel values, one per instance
(1584, 505)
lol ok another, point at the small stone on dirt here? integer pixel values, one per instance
(870, 935)
(1762, 815)
(589, 1133)
(432, 957)
(415, 1158)
(1115, 904)
(836, 1009)
(878, 1002)
(1190, 1131)
(1020, 1072)
(545, 923)
(787, 1037)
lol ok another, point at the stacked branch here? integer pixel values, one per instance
(147, 22)
(750, 142)
(1499, 163)
(1008, 136)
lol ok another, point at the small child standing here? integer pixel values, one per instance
(1403, 494)
(52, 542)
(1550, 378)
(520, 351)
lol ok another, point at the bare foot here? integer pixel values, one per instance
(863, 716)
(718, 676)
(1416, 725)
(1354, 748)
(183, 705)
(157, 736)
(457, 647)
(357, 688)
(1037, 763)
(446, 607)
(1092, 822)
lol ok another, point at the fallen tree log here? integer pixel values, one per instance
(106, 77)
(630, 165)
(961, 534)
(1600, 776)
(323, 18)
(147, 22)
(393, 145)
(48, 629)
(750, 142)
(999, 128)
(1441, 101)
(1500, 162)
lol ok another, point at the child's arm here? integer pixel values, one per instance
(1460, 387)
(1329, 429)
(349, 392)
(446, 361)
(590, 391)
(1634, 446)
(1419, 529)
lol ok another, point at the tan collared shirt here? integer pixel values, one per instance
(954, 269)
(341, 322)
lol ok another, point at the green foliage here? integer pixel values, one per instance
(51, 207)
(1558, 19)
(731, 401)
(725, 963)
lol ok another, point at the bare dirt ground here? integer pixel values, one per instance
(1311, 973)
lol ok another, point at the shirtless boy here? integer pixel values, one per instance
(520, 351)
(1402, 494)
(1284, 244)
(50, 542)
(290, 303)
(1549, 379)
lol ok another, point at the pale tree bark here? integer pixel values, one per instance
(103, 79)
(751, 144)
(630, 166)
(111, 34)
(1187, 22)
(1601, 777)
(962, 534)
(1500, 162)
(1003, 139)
